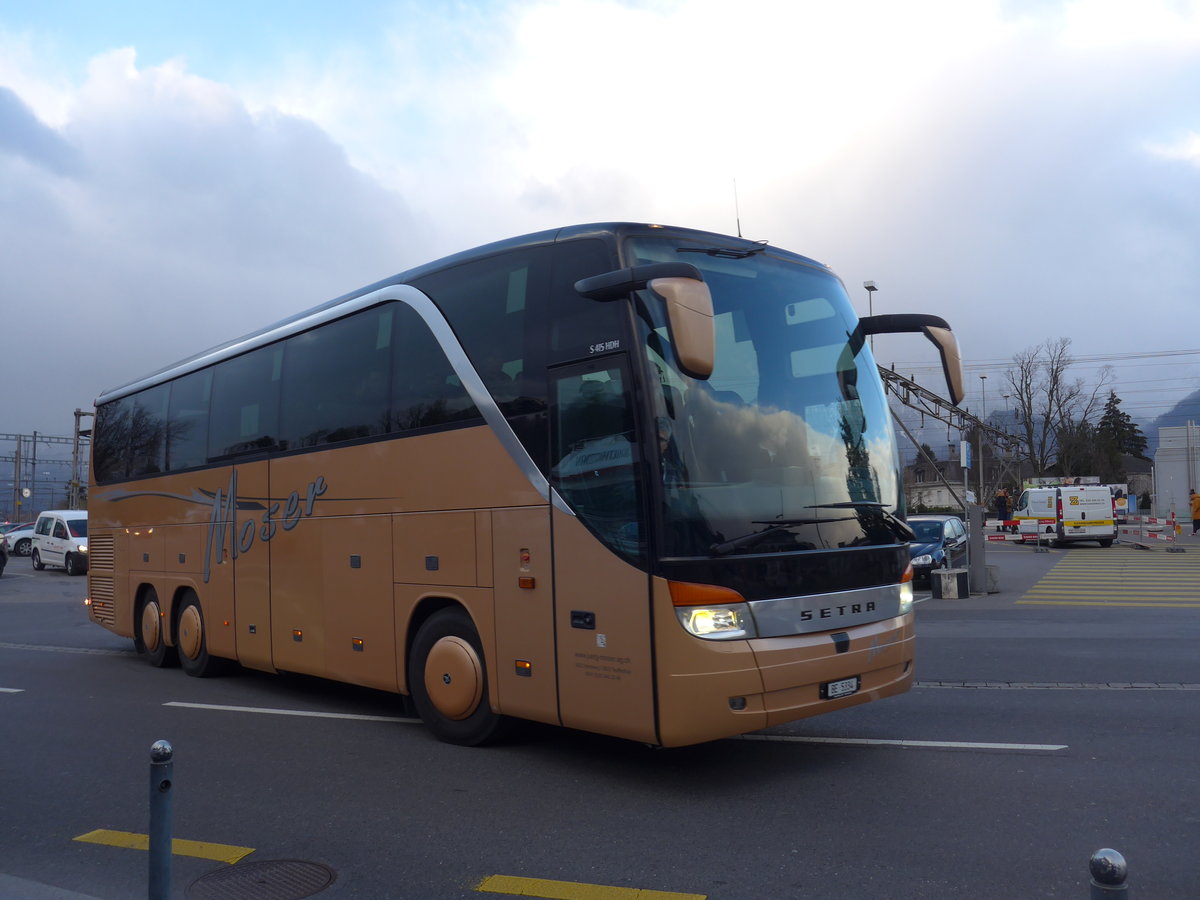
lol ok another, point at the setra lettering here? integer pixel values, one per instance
(829, 612)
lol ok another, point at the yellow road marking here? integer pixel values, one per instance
(199, 849)
(572, 890)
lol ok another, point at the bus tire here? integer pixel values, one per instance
(447, 677)
(150, 637)
(1107, 542)
(37, 561)
(191, 639)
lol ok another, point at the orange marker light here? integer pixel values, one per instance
(684, 593)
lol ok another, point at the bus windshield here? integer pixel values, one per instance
(788, 446)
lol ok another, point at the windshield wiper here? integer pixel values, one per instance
(899, 526)
(727, 252)
(736, 543)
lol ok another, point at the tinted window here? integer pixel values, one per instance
(580, 327)
(148, 432)
(60, 530)
(245, 407)
(594, 456)
(487, 303)
(336, 380)
(110, 440)
(187, 431)
(78, 527)
(425, 390)
(130, 436)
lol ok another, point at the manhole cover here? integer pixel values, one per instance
(268, 879)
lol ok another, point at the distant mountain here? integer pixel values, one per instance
(1186, 410)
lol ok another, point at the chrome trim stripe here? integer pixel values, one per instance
(785, 616)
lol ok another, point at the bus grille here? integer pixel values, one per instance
(102, 590)
(102, 552)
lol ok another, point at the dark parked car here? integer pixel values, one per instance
(941, 544)
(3, 555)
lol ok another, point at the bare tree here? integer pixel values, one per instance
(1054, 414)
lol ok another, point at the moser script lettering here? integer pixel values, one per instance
(228, 536)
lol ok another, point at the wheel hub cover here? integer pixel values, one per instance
(151, 633)
(454, 677)
(191, 632)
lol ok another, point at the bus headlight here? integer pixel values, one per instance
(717, 623)
(906, 590)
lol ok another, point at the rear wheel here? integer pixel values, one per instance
(1107, 542)
(448, 680)
(192, 639)
(151, 637)
(37, 561)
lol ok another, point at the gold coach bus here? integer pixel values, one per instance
(630, 479)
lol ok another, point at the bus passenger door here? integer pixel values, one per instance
(602, 598)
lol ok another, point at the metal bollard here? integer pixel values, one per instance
(161, 773)
(1108, 875)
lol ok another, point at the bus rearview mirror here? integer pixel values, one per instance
(685, 296)
(933, 327)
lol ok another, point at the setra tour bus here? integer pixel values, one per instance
(629, 479)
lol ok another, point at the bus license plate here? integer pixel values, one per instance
(831, 690)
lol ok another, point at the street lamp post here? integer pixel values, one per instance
(982, 418)
(871, 289)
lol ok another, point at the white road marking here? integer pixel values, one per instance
(267, 711)
(955, 745)
(873, 742)
(12, 690)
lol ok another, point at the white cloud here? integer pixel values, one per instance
(1186, 148)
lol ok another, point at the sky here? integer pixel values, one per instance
(175, 175)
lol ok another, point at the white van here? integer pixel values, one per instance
(1080, 512)
(60, 539)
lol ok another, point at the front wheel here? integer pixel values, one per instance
(447, 677)
(1107, 542)
(37, 561)
(72, 565)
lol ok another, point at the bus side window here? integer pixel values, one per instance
(336, 381)
(580, 327)
(148, 432)
(487, 303)
(425, 390)
(245, 404)
(187, 421)
(593, 456)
